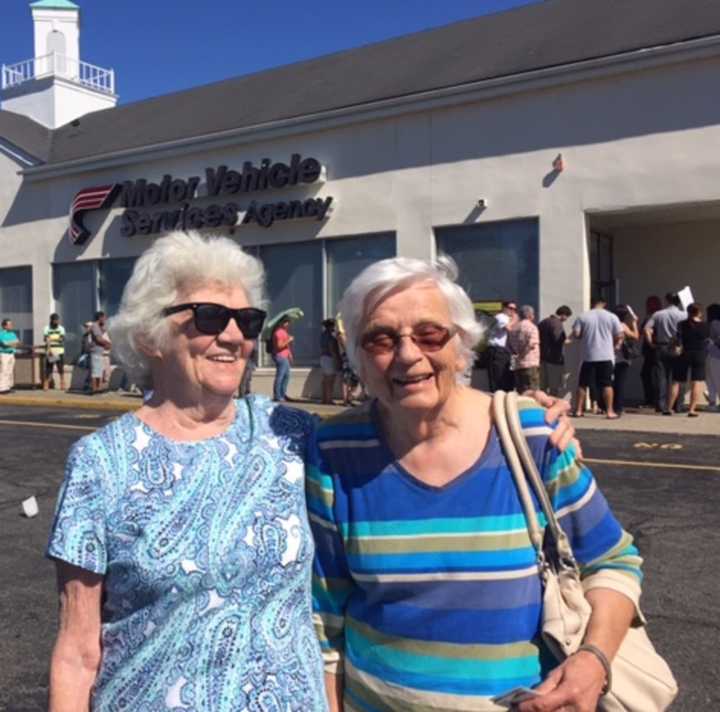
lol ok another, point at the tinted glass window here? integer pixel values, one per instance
(74, 293)
(294, 279)
(496, 260)
(347, 257)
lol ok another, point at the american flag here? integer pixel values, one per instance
(95, 198)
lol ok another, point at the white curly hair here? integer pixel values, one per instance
(381, 278)
(178, 262)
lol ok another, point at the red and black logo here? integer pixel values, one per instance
(97, 198)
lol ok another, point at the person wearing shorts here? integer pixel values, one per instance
(54, 336)
(595, 376)
(98, 352)
(693, 336)
(600, 334)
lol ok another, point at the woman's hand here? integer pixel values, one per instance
(575, 686)
(557, 410)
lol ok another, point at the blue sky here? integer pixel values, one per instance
(161, 46)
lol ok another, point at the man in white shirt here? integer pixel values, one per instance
(500, 377)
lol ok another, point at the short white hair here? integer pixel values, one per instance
(378, 280)
(179, 262)
(526, 312)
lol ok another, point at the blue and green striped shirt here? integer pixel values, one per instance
(429, 597)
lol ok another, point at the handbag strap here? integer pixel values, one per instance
(535, 531)
(524, 470)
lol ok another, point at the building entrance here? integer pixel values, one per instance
(635, 254)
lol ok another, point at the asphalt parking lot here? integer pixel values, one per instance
(664, 489)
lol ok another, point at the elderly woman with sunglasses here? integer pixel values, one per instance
(181, 536)
(426, 588)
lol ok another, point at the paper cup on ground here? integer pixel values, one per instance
(30, 507)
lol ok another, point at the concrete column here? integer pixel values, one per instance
(412, 188)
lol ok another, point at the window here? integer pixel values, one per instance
(310, 275)
(294, 279)
(16, 300)
(113, 276)
(75, 300)
(496, 260)
(347, 257)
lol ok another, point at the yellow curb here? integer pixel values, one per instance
(80, 403)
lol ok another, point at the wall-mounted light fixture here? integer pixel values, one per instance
(482, 203)
(558, 164)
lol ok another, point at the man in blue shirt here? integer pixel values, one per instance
(8, 343)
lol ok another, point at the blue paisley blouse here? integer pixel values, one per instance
(206, 552)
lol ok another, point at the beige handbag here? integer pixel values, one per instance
(641, 679)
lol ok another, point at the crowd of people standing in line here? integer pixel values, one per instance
(676, 345)
(94, 354)
(681, 346)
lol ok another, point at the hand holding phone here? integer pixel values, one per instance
(515, 697)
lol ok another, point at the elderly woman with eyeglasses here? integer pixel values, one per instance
(181, 536)
(426, 588)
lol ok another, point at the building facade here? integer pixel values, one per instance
(592, 169)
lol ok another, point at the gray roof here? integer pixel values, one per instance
(541, 35)
(24, 133)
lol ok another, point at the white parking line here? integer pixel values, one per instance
(666, 465)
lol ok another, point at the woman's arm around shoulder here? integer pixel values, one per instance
(77, 653)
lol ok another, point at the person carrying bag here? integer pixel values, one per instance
(638, 679)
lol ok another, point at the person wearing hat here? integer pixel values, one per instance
(54, 337)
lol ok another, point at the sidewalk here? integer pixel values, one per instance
(647, 421)
(634, 420)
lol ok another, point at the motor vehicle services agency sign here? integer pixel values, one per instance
(188, 204)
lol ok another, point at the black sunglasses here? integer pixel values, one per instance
(213, 318)
(427, 337)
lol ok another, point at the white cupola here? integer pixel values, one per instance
(55, 86)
